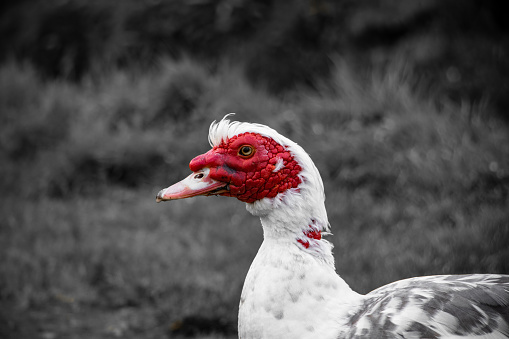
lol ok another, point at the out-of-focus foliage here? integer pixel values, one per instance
(460, 48)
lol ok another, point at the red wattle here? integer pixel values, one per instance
(250, 178)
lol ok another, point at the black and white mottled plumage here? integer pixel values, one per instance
(447, 306)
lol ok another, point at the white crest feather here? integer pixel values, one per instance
(224, 130)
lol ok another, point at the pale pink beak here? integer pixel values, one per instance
(198, 183)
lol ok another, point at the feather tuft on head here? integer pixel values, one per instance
(224, 129)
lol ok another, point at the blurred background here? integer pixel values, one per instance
(403, 105)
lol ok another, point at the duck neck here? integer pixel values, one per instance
(297, 219)
(292, 277)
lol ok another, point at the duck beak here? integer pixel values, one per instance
(198, 183)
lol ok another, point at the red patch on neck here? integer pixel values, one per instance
(311, 233)
(250, 178)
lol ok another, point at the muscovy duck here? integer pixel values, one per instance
(292, 289)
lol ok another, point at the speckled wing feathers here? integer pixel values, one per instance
(434, 307)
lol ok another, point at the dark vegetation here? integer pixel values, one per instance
(460, 48)
(402, 105)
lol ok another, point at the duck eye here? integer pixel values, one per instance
(246, 151)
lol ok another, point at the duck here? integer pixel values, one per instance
(292, 289)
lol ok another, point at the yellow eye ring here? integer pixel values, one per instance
(246, 151)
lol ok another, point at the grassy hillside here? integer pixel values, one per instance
(415, 185)
(460, 47)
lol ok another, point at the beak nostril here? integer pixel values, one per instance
(198, 176)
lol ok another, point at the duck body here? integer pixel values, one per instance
(442, 306)
(292, 289)
(291, 294)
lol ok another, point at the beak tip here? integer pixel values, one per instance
(159, 196)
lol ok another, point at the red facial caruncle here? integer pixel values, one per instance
(248, 163)
(248, 166)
